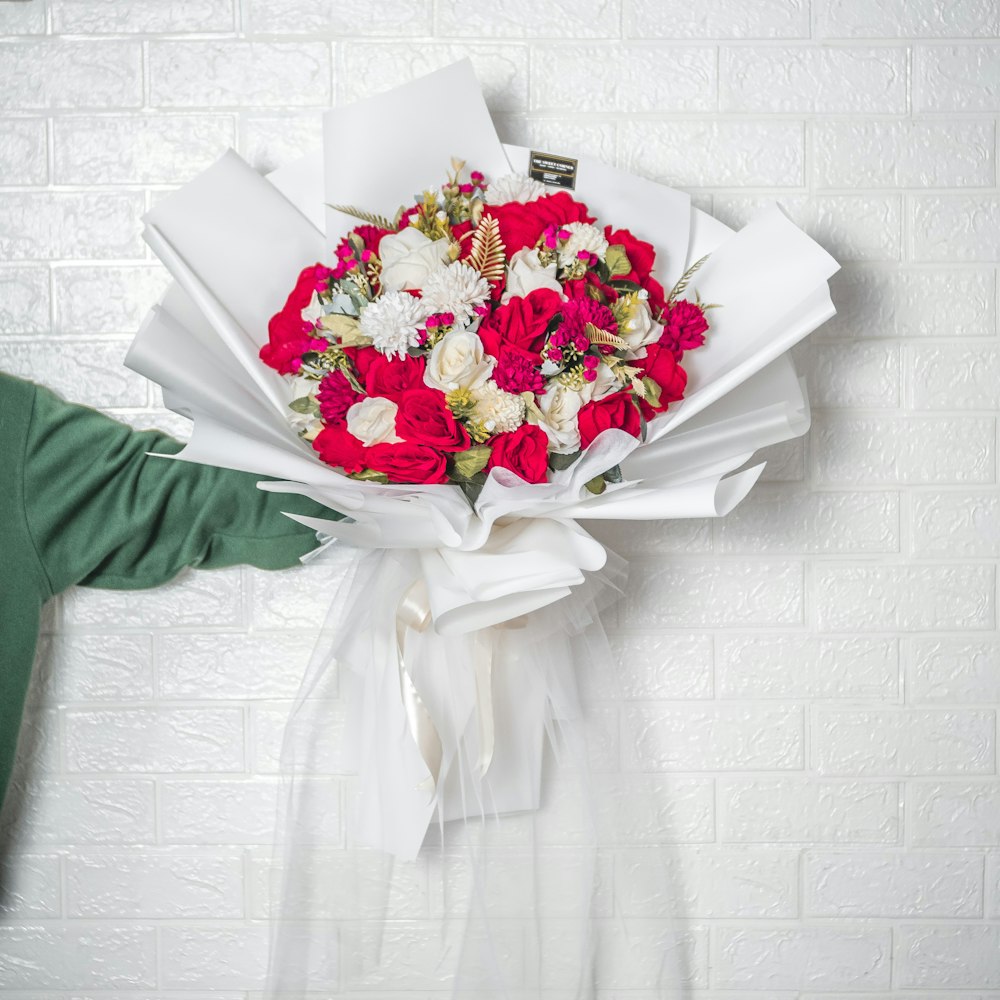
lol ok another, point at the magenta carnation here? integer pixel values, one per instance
(335, 398)
(576, 314)
(684, 327)
(516, 371)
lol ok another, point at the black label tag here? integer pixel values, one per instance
(557, 171)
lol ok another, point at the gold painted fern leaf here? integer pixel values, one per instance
(488, 253)
(598, 336)
(685, 279)
(372, 218)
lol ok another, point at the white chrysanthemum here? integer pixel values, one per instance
(456, 289)
(513, 187)
(393, 322)
(497, 410)
(583, 236)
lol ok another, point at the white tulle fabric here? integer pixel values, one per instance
(458, 833)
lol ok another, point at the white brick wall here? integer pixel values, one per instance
(817, 698)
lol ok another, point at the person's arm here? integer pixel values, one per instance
(104, 513)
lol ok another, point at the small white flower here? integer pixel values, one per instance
(513, 187)
(409, 258)
(458, 361)
(583, 236)
(560, 406)
(392, 322)
(373, 421)
(525, 274)
(497, 410)
(456, 289)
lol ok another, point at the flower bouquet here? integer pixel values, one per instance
(463, 373)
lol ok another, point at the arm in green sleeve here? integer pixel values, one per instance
(104, 513)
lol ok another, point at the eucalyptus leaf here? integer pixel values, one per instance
(596, 485)
(344, 304)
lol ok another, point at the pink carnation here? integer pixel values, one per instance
(576, 314)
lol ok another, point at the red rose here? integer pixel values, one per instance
(408, 463)
(522, 224)
(524, 451)
(641, 256)
(338, 448)
(289, 335)
(362, 358)
(393, 377)
(616, 410)
(424, 418)
(589, 287)
(286, 356)
(662, 367)
(684, 327)
(520, 323)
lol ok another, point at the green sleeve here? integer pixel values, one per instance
(104, 513)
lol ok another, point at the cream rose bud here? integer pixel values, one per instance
(458, 361)
(559, 407)
(409, 258)
(641, 329)
(373, 421)
(525, 273)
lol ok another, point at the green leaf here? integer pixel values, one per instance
(653, 390)
(305, 404)
(617, 260)
(613, 475)
(369, 476)
(473, 487)
(624, 286)
(559, 462)
(596, 485)
(467, 463)
(346, 329)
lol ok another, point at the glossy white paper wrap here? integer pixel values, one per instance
(235, 243)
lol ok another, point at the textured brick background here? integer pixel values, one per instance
(818, 690)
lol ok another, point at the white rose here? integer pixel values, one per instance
(409, 258)
(525, 273)
(641, 329)
(560, 406)
(458, 361)
(373, 421)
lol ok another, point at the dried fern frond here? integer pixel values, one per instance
(598, 336)
(685, 279)
(488, 253)
(372, 218)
